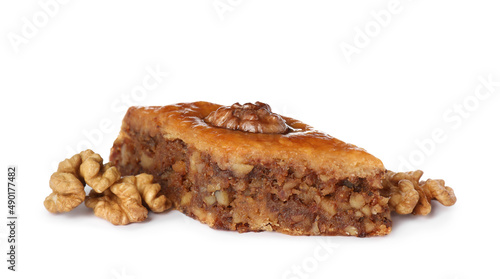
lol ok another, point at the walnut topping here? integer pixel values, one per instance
(254, 118)
(410, 195)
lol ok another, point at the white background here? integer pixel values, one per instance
(66, 83)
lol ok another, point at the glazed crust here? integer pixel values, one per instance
(301, 143)
(299, 182)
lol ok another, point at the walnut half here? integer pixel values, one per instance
(410, 195)
(120, 204)
(68, 182)
(253, 118)
(120, 200)
(124, 202)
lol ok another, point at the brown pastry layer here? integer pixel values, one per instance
(298, 181)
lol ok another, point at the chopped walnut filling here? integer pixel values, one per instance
(254, 118)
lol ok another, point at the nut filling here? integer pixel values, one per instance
(269, 197)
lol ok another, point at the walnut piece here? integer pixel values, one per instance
(121, 203)
(403, 195)
(434, 189)
(68, 182)
(67, 193)
(116, 200)
(149, 192)
(254, 118)
(410, 195)
(97, 175)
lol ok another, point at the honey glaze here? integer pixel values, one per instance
(299, 141)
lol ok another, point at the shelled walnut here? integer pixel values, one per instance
(120, 204)
(254, 118)
(96, 175)
(119, 201)
(410, 195)
(68, 182)
(67, 193)
(149, 192)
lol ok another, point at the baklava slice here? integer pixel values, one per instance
(245, 168)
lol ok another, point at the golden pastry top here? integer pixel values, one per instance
(196, 124)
